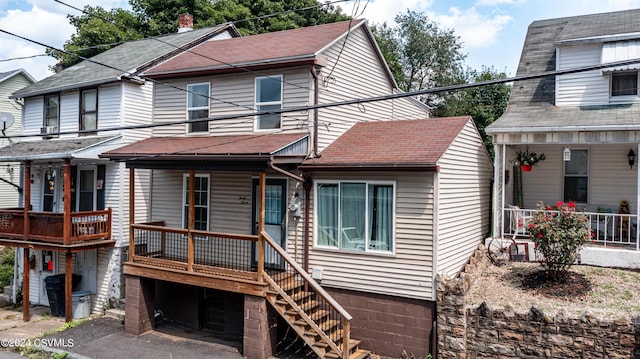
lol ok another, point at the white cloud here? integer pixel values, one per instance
(475, 30)
(44, 21)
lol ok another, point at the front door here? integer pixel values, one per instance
(274, 217)
(87, 262)
(86, 196)
(49, 184)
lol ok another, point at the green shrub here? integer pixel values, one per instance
(6, 266)
(559, 233)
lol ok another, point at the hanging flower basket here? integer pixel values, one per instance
(526, 160)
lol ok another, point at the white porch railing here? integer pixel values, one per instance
(613, 229)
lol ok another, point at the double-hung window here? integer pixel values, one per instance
(269, 97)
(201, 203)
(52, 112)
(198, 106)
(576, 177)
(89, 110)
(624, 84)
(355, 215)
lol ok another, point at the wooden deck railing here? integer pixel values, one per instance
(48, 227)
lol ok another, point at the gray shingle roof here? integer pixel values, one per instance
(50, 149)
(128, 57)
(531, 106)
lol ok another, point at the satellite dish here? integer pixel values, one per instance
(6, 120)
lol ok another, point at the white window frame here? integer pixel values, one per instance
(184, 194)
(94, 189)
(366, 235)
(198, 108)
(46, 118)
(588, 175)
(83, 112)
(258, 103)
(624, 98)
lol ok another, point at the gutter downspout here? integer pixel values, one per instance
(307, 185)
(316, 90)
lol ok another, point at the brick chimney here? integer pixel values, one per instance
(185, 22)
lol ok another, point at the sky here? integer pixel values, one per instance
(492, 31)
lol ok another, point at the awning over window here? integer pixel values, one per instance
(621, 51)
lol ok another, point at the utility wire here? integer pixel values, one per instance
(368, 99)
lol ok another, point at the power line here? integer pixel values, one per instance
(23, 57)
(365, 100)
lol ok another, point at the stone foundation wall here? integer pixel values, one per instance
(469, 333)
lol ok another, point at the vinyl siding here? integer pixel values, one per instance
(406, 273)
(464, 200)
(610, 178)
(231, 95)
(10, 171)
(137, 110)
(583, 88)
(355, 72)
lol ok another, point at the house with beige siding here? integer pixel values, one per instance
(74, 206)
(268, 209)
(587, 125)
(11, 124)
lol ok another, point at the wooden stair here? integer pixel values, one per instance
(311, 318)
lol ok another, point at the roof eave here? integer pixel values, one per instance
(372, 167)
(75, 86)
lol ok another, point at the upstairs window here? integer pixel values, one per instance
(624, 83)
(89, 111)
(198, 107)
(51, 111)
(269, 97)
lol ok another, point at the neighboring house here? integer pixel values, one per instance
(585, 123)
(74, 217)
(234, 229)
(11, 124)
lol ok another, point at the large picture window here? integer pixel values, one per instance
(269, 97)
(201, 202)
(198, 106)
(576, 177)
(89, 110)
(355, 215)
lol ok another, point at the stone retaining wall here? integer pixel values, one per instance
(472, 333)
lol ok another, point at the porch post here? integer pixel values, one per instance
(262, 190)
(25, 284)
(68, 275)
(192, 219)
(27, 199)
(66, 225)
(25, 260)
(132, 213)
(637, 203)
(502, 190)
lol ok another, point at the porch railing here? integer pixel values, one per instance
(49, 226)
(243, 257)
(607, 228)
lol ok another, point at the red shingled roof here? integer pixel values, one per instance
(408, 143)
(281, 46)
(196, 147)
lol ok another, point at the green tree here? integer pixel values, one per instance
(484, 103)
(421, 55)
(98, 30)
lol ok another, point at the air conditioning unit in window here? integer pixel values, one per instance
(48, 129)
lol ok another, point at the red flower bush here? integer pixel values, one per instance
(559, 234)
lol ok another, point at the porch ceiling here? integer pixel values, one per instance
(81, 147)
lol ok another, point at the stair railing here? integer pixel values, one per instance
(328, 309)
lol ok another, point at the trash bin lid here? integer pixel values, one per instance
(81, 293)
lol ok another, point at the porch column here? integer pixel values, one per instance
(262, 191)
(192, 220)
(260, 328)
(25, 261)
(66, 226)
(68, 283)
(25, 285)
(132, 213)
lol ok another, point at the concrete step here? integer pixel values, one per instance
(7, 290)
(5, 299)
(115, 313)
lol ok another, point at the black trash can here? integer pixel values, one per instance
(55, 292)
